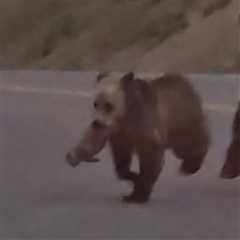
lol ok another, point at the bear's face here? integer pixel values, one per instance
(109, 102)
(110, 99)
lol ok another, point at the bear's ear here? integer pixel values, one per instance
(101, 76)
(127, 81)
(128, 77)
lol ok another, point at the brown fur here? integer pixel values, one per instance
(231, 168)
(163, 114)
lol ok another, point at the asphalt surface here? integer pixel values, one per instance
(42, 115)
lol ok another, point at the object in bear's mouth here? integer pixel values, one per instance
(92, 142)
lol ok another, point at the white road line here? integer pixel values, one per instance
(86, 94)
(219, 108)
(47, 91)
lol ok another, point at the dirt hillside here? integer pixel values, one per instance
(146, 35)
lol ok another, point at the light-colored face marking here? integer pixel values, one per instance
(109, 101)
(108, 87)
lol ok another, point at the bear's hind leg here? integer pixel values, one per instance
(192, 150)
(191, 164)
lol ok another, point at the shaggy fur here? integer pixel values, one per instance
(231, 168)
(165, 113)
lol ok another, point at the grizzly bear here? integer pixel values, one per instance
(231, 167)
(147, 118)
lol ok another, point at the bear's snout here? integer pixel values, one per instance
(97, 124)
(72, 160)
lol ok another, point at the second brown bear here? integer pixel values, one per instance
(231, 168)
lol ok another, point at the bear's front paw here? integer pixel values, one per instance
(135, 198)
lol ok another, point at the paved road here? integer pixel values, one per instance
(43, 114)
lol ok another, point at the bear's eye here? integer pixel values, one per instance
(108, 107)
(95, 104)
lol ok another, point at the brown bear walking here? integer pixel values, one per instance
(231, 168)
(147, 118)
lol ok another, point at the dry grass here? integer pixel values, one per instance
(91, 34)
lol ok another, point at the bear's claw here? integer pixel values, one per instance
(134, 198)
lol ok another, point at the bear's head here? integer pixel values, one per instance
(111, 98)
(115, 102)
